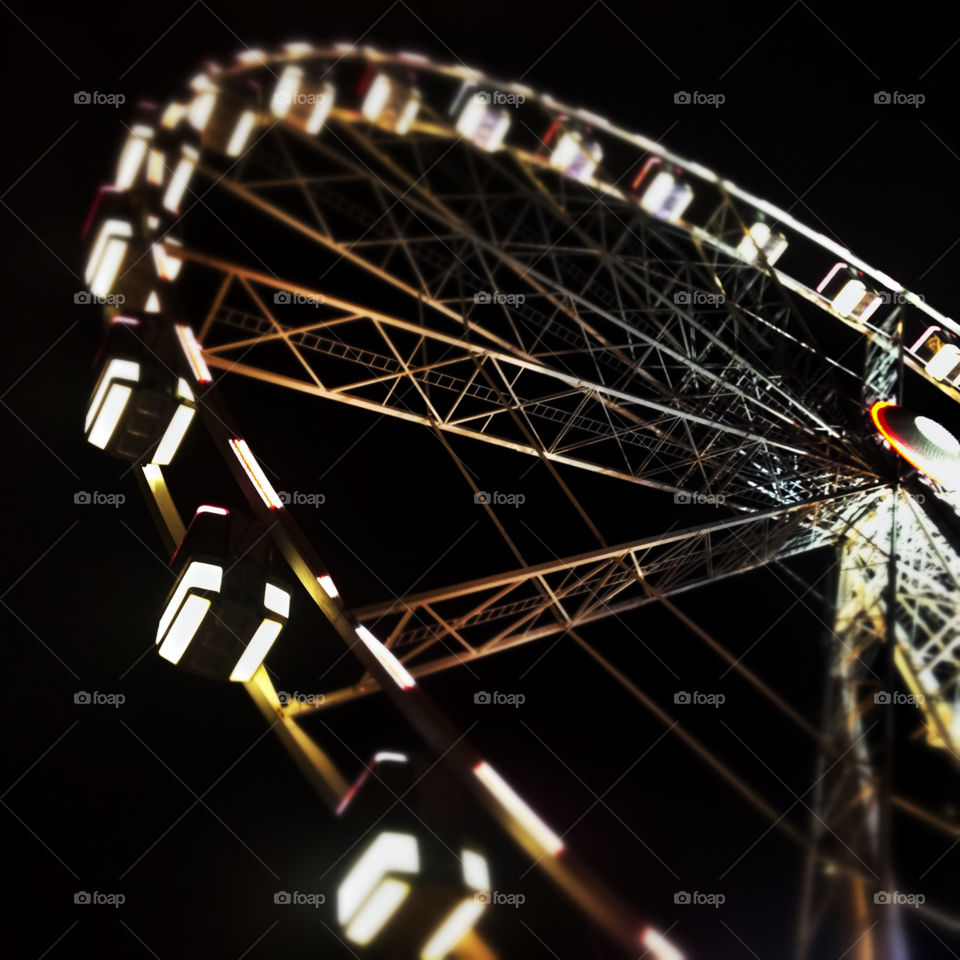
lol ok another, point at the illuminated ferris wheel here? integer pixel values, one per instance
(498, 266)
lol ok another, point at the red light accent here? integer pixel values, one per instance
(892, 440)
(549, 134)
(129, 321)
(652, 162)
(106, 188)
(365, 80)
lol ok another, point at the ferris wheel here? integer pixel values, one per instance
(477, 259)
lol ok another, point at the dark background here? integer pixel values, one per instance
(178, 799)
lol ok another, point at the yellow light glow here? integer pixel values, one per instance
(379, 908)
(174, 434)
(258, 647)
(398, 672)
(194, 353)
(255, 473)
(390, 852)
(109, 416)
(184, 628)
(452, 930)
(659, 945)
(198, 576)
(116, 370)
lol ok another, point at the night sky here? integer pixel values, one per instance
(180, 799)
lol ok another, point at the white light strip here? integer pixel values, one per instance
(286, 91)
(110, 228)
(131, 157)
(199, 575)
(518, 808)
(390, 853)
(390, 757)
(184, 628)
(207, 508)
(659, 945)
(276, 599)
(174, 434)
(378, 909)
(398, 672)
(193, 350)
(833, 272)
(258, 647)
(108, 267)
(116, 370)
(476, 873)
(321, 111)
(180, 179)
(110, 413)
(329, 587)
(255, 472)
(241, 133)
(452, 930)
